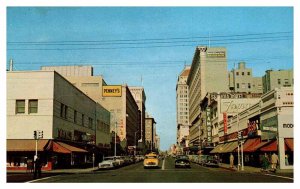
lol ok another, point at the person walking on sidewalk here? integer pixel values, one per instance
(265, 162)
(231, 159)
(274, 161)
(37, 168)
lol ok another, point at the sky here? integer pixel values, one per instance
(149, 46)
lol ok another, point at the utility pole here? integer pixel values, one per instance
(115, 139)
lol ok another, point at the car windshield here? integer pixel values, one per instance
(182, 157)
(151, 157)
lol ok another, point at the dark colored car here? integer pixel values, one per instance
(182, 161)
(211, 161)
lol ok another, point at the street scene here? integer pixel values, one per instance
(150, 94)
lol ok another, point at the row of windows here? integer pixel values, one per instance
(32, 106)
(286, 81)
(243, 85)
(243, 73)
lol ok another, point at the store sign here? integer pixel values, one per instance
(236, 105)
(218, 54)
(112, 91)
(225, 122)
(208, 125)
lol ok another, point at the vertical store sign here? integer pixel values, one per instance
(208, 125)
(225, 121)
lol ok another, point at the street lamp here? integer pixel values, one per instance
(135, 142)
(115, 154)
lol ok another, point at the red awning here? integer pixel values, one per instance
(271, 147)
(289, 142)
(249, 145)
(60, 147)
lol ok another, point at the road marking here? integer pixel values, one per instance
(280, 176)
(163, 165)
(41, 179)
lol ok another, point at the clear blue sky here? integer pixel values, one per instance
(125, 44)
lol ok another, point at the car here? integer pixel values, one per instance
(212, 161)
(151, 160)
(182, 161)
(108, 163)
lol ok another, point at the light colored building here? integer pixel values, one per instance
(71, 70)
(241, 80)
(115, 98)
(182, 104)
(276, 79)
(150, 131)
(265, 127)
(46, 101)
(208, 73)
(139, 95)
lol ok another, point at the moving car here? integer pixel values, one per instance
(182, 161)
(151, 160)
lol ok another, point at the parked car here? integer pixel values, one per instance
(151, 161)
(212, 161)
(182, 161)
(120, 161)
(108, 163)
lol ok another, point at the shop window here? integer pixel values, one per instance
(33, 106)
(20, 106)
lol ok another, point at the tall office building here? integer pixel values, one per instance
(208, 73)
(182, 103)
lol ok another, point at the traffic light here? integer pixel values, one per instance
(41, 134)
(34, 134)
(239, 135)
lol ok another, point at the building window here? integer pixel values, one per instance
(248, 73)
(75, 116)
(238, 85)
(33, 106)
(20, 106)
(242, 73)
(279, 82)
(63, 111)
(237, 73)
(90, 122)
(249, 86)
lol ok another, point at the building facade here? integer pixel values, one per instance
(182, 107)
(208, 73)
(139, 95)
(276, 79)
(150, 132)
(115, 98)
(241, 80)
(46, 101)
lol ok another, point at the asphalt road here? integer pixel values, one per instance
(166, 173)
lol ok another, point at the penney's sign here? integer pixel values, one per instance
(112, 91)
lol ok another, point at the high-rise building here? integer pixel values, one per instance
(139, 96)
(182, 104)
(276, 79)
(208, 73)
(241, 80)
(150, 131)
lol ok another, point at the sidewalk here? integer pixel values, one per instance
(253, 169)
(77, 170)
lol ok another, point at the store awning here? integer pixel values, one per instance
(271, 147)
(217, 149)
(231, 147)
(249, 145)
(60, 147)
(25, 145)
(289, 143)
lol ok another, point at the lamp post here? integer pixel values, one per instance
(115, 154)
(135, 142)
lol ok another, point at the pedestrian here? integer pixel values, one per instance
(287, 159)
(37, 168)
(265, 162)
(274, 161)
(231, 159)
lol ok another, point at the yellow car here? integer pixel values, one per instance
(151, 160)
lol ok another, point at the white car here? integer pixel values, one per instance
(108, 163)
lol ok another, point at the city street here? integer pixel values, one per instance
(166, 174)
